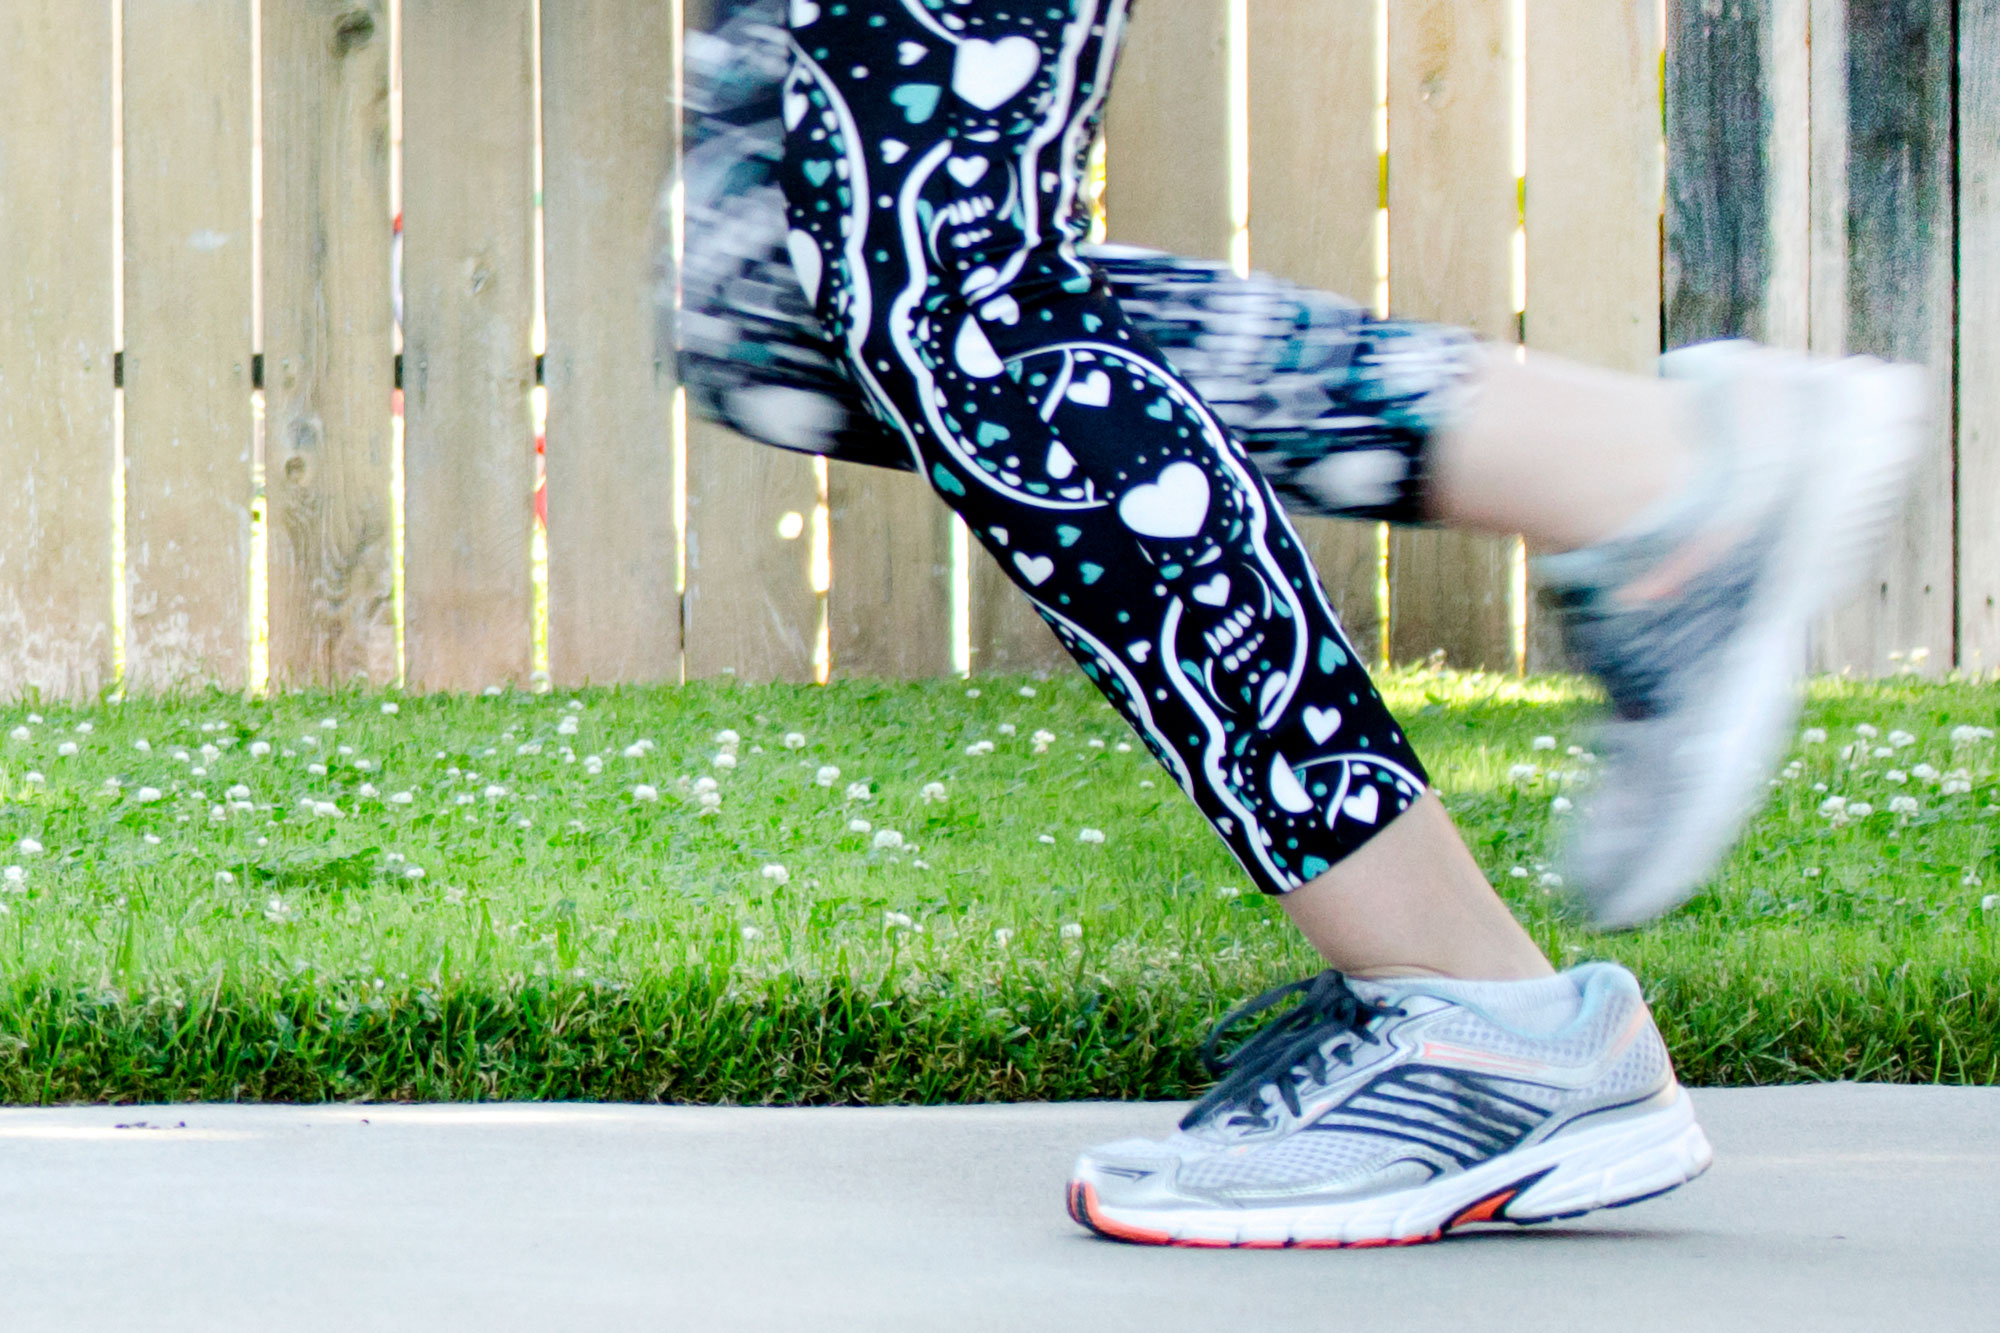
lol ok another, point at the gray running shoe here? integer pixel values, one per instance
(1379, 1113)
(1697, 623)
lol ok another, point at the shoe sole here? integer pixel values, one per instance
(1609, 1166)
(1851, 494)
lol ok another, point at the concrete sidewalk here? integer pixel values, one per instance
(1830, 1207)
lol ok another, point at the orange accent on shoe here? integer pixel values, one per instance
(1484, 1210)
(1086, 1213)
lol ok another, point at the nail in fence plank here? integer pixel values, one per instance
(468, 358)
(188, 428)
(1593, 199)
(609, 137)
(1453, 206)
(328, 349)
(889, 599)
(750, 609)
(1979, 336)
(1900, 304)
(55, 349)
(1315, 181)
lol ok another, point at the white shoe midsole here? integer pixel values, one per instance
(1588, 1168)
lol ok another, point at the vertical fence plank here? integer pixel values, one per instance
(1979, 335)
(55, 349)
(749, 610)
(1899, 286)
(188, 482)
(609, 139)
(1314, 192)
(328, 350)
(1593, 197)
(888, 604)
(468, 358)
(1453, 207)
(1168, 173)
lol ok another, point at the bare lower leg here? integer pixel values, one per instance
(1412, 902)
(1563, 453)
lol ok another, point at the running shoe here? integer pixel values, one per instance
(1696, 621)
(1390, 1113)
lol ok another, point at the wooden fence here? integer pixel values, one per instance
(196, 307)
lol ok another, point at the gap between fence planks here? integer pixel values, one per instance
(610, 132)
(1315, 179)
(328, 328)
(56, 442)
(187, 275)
(1453, 207)
(468, 359)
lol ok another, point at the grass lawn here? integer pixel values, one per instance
(600, 895)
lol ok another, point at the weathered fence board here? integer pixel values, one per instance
(1899, 289)
(1314, 197)
(750, 609)
(468, 357)
(888, 604)
(1979, 336)
(1453, 208)
(1169, 167)
(328, 329)
(188, 272)
(56, 444)
(609, 136)
(1593, 197)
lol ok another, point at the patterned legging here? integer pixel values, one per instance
(933, 159)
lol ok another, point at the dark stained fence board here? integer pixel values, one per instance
(1314, 196)
(56, 446)
(1979, 335)
(468, 359)
(1452, 213)
(188, 270)
(610, 134)
(328, 341)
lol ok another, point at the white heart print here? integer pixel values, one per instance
(804, 13)
(1321, 723)
(894, 150)
(1176, 505)
(986, 74)
(1215, 592)
(796, 105)
(976, 356)
(1139, 650)
(1364, 806)
(1286, 789)
(909, 53)
(967, 170)
(1002, 310)
(1037, 568)
(1093, 390)
(805, 262)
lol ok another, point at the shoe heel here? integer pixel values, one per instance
(1622, 1163)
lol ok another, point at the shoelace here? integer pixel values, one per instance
(1294, 1043)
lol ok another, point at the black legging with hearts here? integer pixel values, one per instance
(933, 165)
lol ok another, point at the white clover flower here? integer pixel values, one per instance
(147, 795)
(209, 753)
(1003, 937)
(367, 791)
(413, 872)
(706, 783)
(327, 810)
(795, 740)
(978, 748)
(1833, 805)
(592, 764)
(28, 847)
(1123, 747)
(1990, 903)
(1047, 838)
(1860, 810)
(1882, 752)
(724, 760)
(1042, 737)
(310, 741)
(1523, 773)
(1903, 805)
(1090, 835)
(777, 873)
(150, 839)
(1146, 784)
(1866, 731)
(1896, 775)
(85, 728)
(1794, 769)
(728, 736)
(710, 802)
(21, 734)
(1970, 735)
(635, 751)
(239, 792)
(1228, 891)
(1007, 729)
(1095, 743)
(142, 745)
(34, 719)
(645, 791)
(859, 826)
(1544, 743)
(33, 779)
(933, 792)
(224, 878)
(1813, 736)
(112, 784)
(526, 748)
(1562, 805)
(897, 920)
(859, 791)
(403, 798)
(568, 726)
(1027, 691)
(888, 838)
(1071, 930)
(67, 749)
(1902, 740)
(751, 934)
(258, 749)
(1810, 872)
(464, 798)
(1518, 872)
(1550, 880)
(391, 708)
(494, 791)
(1956, 785)
(13, 875)
(317, 770)
(1924, 773)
